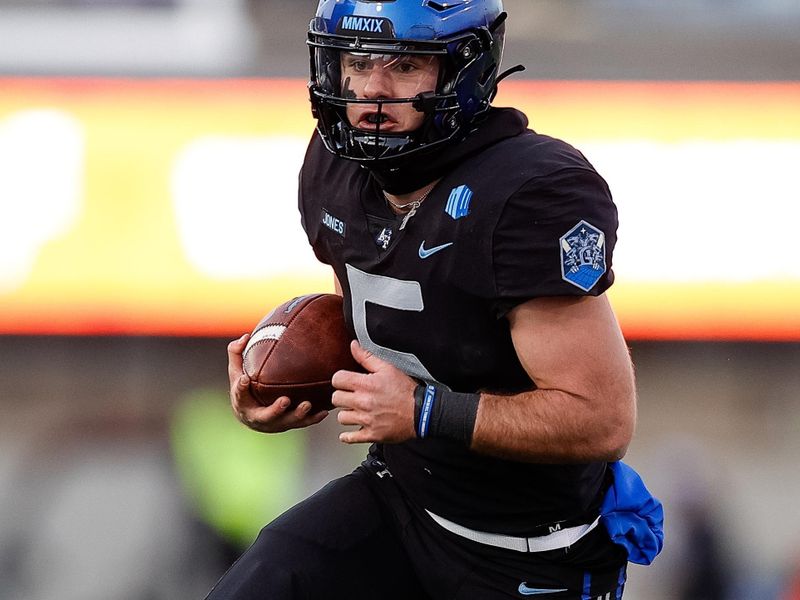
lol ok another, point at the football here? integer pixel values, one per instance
(295, 350)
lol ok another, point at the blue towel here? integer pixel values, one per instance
(633, 517)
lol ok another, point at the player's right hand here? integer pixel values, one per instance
(267, 419)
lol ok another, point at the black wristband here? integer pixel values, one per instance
(440, 413)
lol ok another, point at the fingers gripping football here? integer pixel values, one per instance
(274, 418)
(380, 402)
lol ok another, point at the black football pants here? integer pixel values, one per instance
(359, 539)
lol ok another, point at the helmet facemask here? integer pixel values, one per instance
(446, 104)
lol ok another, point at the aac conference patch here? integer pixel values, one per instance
(583, 255)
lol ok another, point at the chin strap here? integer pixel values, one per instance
(502, 76)
(507, 73)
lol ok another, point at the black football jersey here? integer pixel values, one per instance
(525, 217)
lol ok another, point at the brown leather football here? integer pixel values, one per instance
(295, 350)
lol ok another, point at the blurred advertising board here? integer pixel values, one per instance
(168, 207)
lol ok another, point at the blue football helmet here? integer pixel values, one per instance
(465, 36)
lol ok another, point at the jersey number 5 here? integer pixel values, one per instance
(391, 293)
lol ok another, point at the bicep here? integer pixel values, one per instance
(573, 345)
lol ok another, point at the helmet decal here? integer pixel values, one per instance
(378, 27)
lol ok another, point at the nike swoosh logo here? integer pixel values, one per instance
(423, 253)
(526, 591)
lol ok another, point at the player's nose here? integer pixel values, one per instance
(378, 84)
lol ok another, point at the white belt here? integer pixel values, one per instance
(553, 541)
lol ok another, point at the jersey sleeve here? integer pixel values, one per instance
(555, 237)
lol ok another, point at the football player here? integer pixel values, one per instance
(498, 395)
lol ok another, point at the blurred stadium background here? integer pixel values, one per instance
(148, 155)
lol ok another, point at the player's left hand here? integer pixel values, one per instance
(380, 401)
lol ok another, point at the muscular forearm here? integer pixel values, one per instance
(553, 426)
(584, 406)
